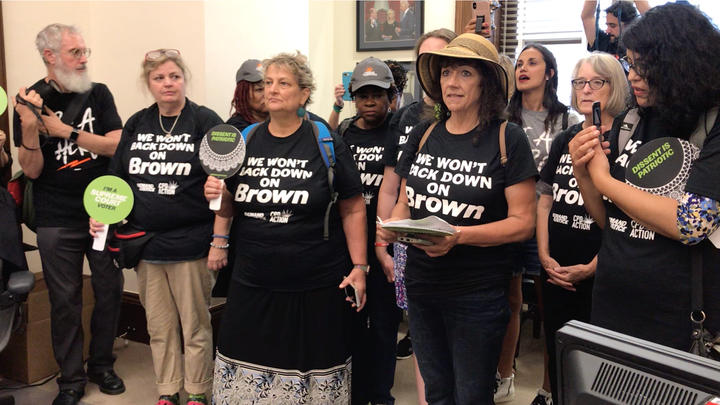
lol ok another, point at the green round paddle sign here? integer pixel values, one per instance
(3, 101)
(108, 199)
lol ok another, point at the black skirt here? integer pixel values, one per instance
(280, 347)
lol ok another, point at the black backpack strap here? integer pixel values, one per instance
(565, 120)
(327, 151)
(345, 124)
(75, 105)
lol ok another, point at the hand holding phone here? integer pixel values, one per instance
(352, 293)
(596, 118)
(346, 83)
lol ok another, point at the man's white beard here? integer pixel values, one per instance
(70, 80)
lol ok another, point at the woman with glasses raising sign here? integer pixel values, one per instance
(567, 236)
(158, 156)
(643, 277)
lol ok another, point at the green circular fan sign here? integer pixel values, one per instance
(3, 101)
(108, 199)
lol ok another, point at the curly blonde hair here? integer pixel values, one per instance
(298, 65)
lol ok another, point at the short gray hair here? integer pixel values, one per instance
(298, 65)
(605, 65)
(50, 37)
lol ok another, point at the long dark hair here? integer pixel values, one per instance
(681, 63)
(550, 99)
(241, 101)
(493, 99)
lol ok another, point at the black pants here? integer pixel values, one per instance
(562, 306)
(62, 251)
(374, 347)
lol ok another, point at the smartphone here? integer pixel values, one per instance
(411, 239)
(352, 293)
(596, 118)
(346, 83)
(481, 12)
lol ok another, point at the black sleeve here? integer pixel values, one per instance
(17, 129)
(108, 111)
(703, 175)
(347, 176)
(521, 164)
(410, 149)
(238, 122)
(547, 174)
(116, 165)
(389, 156)
(206, 119)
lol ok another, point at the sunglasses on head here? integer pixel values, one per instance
(157, 54)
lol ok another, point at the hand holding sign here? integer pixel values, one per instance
(108, 199)
(222, 152)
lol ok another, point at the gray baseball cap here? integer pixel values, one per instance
(251, 71)
(371, 72)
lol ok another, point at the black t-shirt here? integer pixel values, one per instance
(574, 235)
(401, 124)
(604, 44)
(464, 185)
(281, 195)
(367, 148)
(642, 283)
(68, 168)
(167, 180)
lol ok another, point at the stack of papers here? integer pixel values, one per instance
(431, 225)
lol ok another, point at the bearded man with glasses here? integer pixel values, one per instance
(67, 128)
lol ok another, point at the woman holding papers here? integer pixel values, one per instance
(452, 168)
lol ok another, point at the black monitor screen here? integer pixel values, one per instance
(598, 367)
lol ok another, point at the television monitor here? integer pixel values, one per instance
(601, 367)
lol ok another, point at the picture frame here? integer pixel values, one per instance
(388, 25)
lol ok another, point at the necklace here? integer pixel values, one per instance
(167, 133)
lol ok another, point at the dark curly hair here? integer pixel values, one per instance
(550, 99)
(399, 74)
(493, 99)
(680, 62)
(628, 14)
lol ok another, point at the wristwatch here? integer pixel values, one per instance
(74, 134)
(363, 267)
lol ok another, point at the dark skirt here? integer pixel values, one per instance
(277, 347)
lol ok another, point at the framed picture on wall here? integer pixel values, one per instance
(388, 25)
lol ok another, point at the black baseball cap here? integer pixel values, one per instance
(371, 72)
(251, 71)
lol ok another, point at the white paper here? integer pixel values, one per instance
(715, 238)
(99, 242)
(216, 203)
(431, 225)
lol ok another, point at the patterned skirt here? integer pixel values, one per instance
(283, 348)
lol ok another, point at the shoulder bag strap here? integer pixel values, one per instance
(503, 147)
(696, 295)
(627, 129)
(425, 136)
(565, 120)
(74, 108)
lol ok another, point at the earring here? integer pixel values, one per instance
(301, 112)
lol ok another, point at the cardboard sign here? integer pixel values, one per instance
(109, 200)
(222, 152)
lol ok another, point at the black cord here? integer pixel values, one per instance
(45, 381)
(34, 110)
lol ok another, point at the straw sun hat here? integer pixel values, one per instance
(465, 46)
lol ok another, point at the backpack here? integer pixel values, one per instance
(327, 151)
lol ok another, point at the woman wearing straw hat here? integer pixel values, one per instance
(451, 168)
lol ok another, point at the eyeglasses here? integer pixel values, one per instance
(77, 53)
(595, 84)
(627, 65)
(157, 54)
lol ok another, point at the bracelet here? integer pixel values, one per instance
(381, 244)
(337, 109)
(219, 247)
(221, 236)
